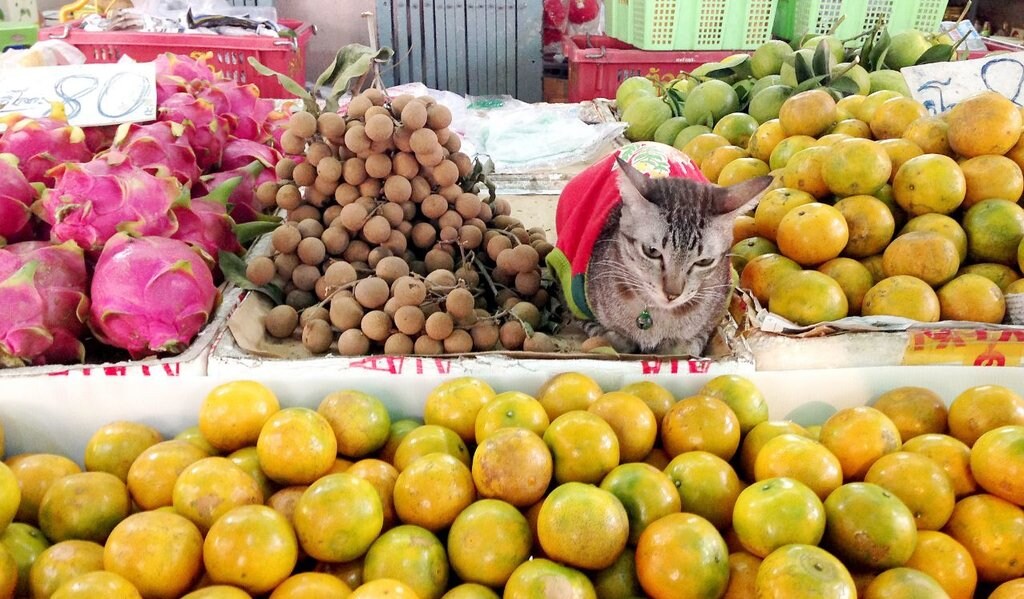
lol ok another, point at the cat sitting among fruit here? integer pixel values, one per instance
(642, 248)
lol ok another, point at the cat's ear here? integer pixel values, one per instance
(741, 195)
(632, 183)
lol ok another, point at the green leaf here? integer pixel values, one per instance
(743, 89)
(812, 83)
(288, 83)
(865, 50)
(937, 53)
(881, 61)
(879, 49)
(248, 232)
(722, 73)
(845, 86)
(233, 268)
(804, 68)
(352, 61)
(823, 60)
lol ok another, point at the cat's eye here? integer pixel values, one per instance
(651, 252)
(704, 262)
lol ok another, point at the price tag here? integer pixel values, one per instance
(939, 86)
(92, 94)
(979, 347)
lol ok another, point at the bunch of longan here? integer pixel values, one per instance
(388, 245)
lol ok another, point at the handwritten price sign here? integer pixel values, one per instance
(92, 94)
(939, 86)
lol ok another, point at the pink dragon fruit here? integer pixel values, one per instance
(209, 131)
(204, 223)
(241, 152)
(177, 73)
(16, 198)
(161, 148)
(42, 144)
(98, 139)
(93, 201)
(277, 124)
(150, 295)
(244, 205)
(43, 291)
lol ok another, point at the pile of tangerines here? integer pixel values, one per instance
(575, 493)
(879, 208)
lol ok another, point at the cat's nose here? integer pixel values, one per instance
(671, 296)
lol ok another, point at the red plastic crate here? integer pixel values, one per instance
(230, 54)
(597, 64)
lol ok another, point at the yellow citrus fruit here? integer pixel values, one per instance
(929, 256)
(787, 148)
(994, 229)
(658, 398)
(831, 138)
(682, 556)
(152, 475)
(700, 147)
(914, 410)
(930, 134)
(742, 228)
(846, 107)
(899, 151)
(870, 223)
(97, 584)
(701, 423)
(998, 464)
(903, 296)
(743, 568)
(543, 578)
(803, 572)
(10, 495)
(777, 511)
(633, 422)
(338, 517)
(929, 183)
(645, 492)
(1000, 274)
(206, 489)
(919, 482)
(768, 135)
(193, 435)
(568, 391)
(488, 541)
(311, 585)
(382, 476)
(982, 408)
(1009, 589)
(618, 579)
(584, 448)
(742, 396)
(56, 565)
(951, 454)
(247, 459)
(427, 439)
(990, 529)
(773, 206)
(991, 177)
(707, 486)
(853, 278)
(812, 233)
(884, 194)
(296, 446)
(719, 158)
(360, 422)
(855, 167)
(85, 506)
(764, 272)
(987, 123)
(35, 473)
(947, 561)
(742, 169)
(869, 527)
(897, 583)
(803, 172)
(865, 111)
(892, 117)
(384, 587)
(160, 553)
(801, 459)
(737, 127)
(22, 543)
(943, 225)
(808, 113)
(746, 250)
(582, 526)
(455, 404)
(858, 437)
(233, 413)
(759, 435)
(852, 128)
(972, 297)
(409, 554)
(513, 465)
(432, 491)
(789, 298)
(113, 447)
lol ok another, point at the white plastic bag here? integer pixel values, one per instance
(47, 53)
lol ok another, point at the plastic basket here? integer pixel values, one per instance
(17, 35)
(230, 54)
(597, 64)
(818, 16)
(690, 24)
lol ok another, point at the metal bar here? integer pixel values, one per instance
(529, 70)
(510, 46)
(492, 47)
(430, 59)
(440, 45)
(402, 55)
(461, 59)
(451, 35)
(416, 41)
(386, 37)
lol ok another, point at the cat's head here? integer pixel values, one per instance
(674, 234)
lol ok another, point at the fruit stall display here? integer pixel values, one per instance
(602, 490)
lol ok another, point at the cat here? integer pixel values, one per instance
(657, 278)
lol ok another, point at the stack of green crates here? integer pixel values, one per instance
(15, 34)
(690, 24)
(819, 16)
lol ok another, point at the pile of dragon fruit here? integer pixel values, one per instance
(115, 231)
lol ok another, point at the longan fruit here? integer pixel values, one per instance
(468, 204)
(391, 268)
(423, 235)
(433, 206)
(266, 193)
(397, 189)
(391, 307)
(446, 173)
(375, 95)
(512, 335)
(459, 303)
(414, 115)
(353, 216)
(539, 342)
(431, 158)
(519, 259)
(409, 212)
(317, 151)
(284, 167)
(260, 270)
(321, 289)
(382, 147)
(335, 240)
(329, 214)
(400, 102)
(418, 267)
(397, 242)
(423, 141)
(346, 193)
(451, 193)
(356, 139)
(288, 197)
(340, 273)
(467, 274)
(292, 144)
(317, 336)
(372, 292)
(378, 166)
(285, 264)
(370, 189)
(379, 127)
(485, 336)
(453, 143)
(497, 245)
(440, 280)
(377, 229)
(401, 138)
(358, 106)
(438, 116)
(459, 342)
(376, 111)
(330, 168)
(304, 174)
(410, 320)
(286, 238)
(449, 234)
(300, 299)
(376, 325)
(354, 171)
(437, 259)
(443, 135)
(420, 189)
(425, 346)
(398, 344)
(315, 313)
(450, 218)
(305, 276)
(500, 207)
(470, 237)
(394, 213)
(357, 251)
(310, 227)
(281, 321)
(486, 214)
(345, 313)
(312, 251)
(526, 312)
(404, 165)
(376, 255)
(528, 283)
(353, 343)
(409, 291)
(324, 189)
(430, 308)
(439, 326)
(331, 125)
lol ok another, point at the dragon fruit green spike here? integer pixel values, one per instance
(160, 148)
(150, 295)
(178, 73)
(42, 144)
(209, 131)
(16, 198)
(242, 106)
(244, 205)
(43, 290)
(241, 152)
(93, 201)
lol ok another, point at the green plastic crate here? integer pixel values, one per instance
(17, 35)
(818, 16)
(690, 24)
(783, 27)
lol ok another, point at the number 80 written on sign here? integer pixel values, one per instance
(116, 98)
